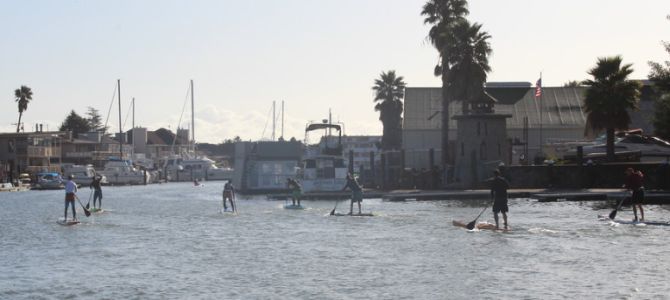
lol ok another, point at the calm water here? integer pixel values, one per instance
(171, 242)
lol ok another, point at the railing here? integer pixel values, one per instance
(79, 154)
(38, 169)
(44, 152)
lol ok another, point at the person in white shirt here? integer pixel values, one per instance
(70, 190)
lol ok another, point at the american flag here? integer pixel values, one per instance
(538, 88)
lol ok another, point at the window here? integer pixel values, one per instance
(482, 150)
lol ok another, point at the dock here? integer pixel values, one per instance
(541, 195)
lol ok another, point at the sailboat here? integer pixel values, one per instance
(119, 170)
(188, 166)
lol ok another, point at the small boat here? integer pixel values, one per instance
(9, 187)
(48, 181)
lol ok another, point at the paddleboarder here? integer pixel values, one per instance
(97, 190)
(633, 183)
(356, 192)
(70, 194)
(499, 186)
(228, 194)
(296, 190)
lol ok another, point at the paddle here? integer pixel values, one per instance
(332, 212)
(613, 213)
(471, 225)
(232, 203)
(86, 212)
(88, 204)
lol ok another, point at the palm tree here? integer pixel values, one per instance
(609, 96)
(443, 15)
(23, 96)
(469, 62)
(389, 90)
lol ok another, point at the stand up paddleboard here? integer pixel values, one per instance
(96, 210)
(481, 226)
(353, 215)
(632, 222)
(293, 206)
(67, 222)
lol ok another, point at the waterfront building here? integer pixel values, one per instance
(558, 115)
(265, 166)
(361, 146)
(31, 152)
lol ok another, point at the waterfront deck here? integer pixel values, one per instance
(541, 195)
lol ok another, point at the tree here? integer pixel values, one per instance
(95, 120)
(443, 15)
(469, 62)
(389, 91)
(23, 96)
(660, 75)
(609, 96)
(572, 83)
(75, 123)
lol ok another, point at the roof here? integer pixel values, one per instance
(317, 126)
(559, 106)
(164, 136)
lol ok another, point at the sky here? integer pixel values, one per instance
(315, 56)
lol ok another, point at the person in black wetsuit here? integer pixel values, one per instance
(499, 186)
(228, 194)
(97, 190)
(356, 192)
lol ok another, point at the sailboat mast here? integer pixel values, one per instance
(274, 117)
(282, 119)
(118, 82)
(132, 131)
(192, 119)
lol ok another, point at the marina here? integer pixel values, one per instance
(492, 150)
(153, 243)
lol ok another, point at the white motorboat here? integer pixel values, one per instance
(323, 168)
(120, 172)
(201, 168)
(83, 174)
(650, 148)
(9, 187)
